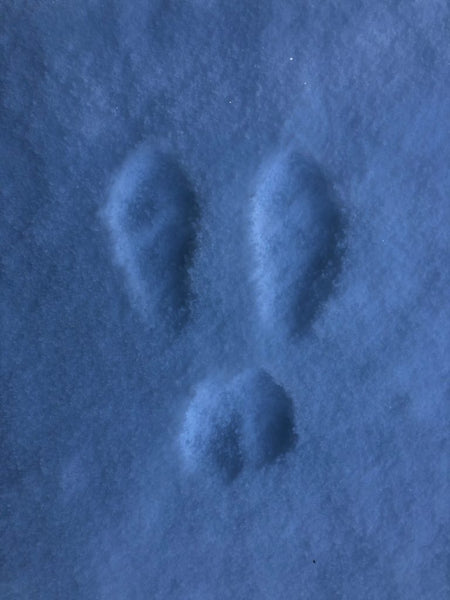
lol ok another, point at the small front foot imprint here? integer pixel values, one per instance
(247, 422)
(297, 241)
(152, 216)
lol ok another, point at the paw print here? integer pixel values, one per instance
(296, 233)
(245, 422)
(152, 216)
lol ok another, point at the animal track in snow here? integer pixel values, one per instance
(247, 422)
(151, 214)
(297, 241)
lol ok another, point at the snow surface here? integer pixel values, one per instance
(225, 327)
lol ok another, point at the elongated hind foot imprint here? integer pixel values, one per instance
(297, 241)
(152, 215)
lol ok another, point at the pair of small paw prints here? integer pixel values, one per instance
(245, 422)
(296, 239)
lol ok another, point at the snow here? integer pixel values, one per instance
(150, 202)
(225, 324)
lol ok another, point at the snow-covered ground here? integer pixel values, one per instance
(225, 319)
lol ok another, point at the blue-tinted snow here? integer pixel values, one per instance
(225, 326)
